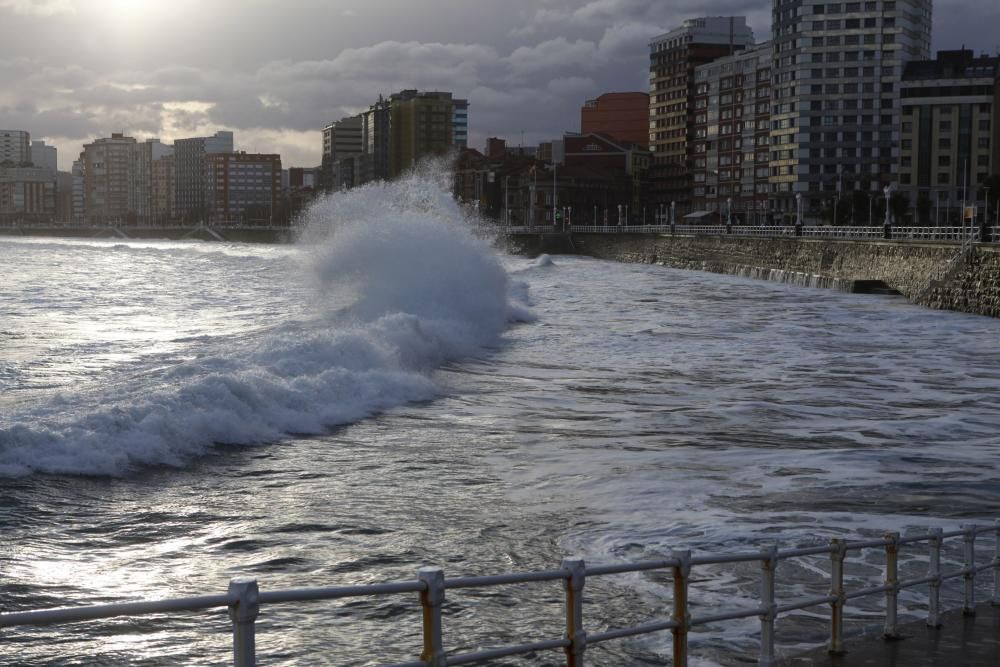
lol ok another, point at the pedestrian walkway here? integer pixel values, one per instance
(961, 641)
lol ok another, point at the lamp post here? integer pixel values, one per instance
(887, 190)
(986, 213)
(729, 211)
(673, 212)
(871, 209)
(798, 208)
(619, 215)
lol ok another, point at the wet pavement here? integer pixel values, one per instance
(961, 641)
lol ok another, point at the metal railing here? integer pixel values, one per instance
(895, 233)
(244, 598)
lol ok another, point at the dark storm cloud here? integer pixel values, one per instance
(276, 72)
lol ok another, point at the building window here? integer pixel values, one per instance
(943, 179)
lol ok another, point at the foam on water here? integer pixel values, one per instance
(403, 288)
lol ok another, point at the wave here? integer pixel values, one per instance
(402, 287)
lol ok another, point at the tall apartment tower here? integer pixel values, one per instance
(420, 125)
(376, 138)
(116, 180)
(836, 106)
(15, 148)
(731, 143)
(673, 58)
(243, 187)
(460, 123)
(190, 203)
(622, 116)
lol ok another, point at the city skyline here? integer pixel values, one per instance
(76, 71)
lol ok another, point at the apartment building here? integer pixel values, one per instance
(950, 135)
(15, 148)
(673, 59)
(27, 194)
(420, 125)
(835, 86)
(242, 188)
(190, 202)
(731, 136)
(109, 181)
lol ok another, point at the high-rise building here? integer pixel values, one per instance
(343, 140)
(164, 189)
(621, 116)
(732, 106)
(950, 131)
(460, 123)
(189, 168)
(15, 148)
(242, 187)
(420, 126)
(114, 188)
(673, 58)
(835, 99)
(376, 138)
(78, 214)
(44, 156)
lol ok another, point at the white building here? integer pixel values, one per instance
(835, 95)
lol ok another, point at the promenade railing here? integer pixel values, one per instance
(895, 233)
(244, 598)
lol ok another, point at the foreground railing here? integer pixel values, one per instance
(244, 598)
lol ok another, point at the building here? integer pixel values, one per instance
(78, 216)
(164, 191)
(190, 203)
(621, 116)
(44, 156)
(460, 124)
(420, 126)
(64, 197)
(27, 194)
(949, 134)
(376, 138)
(343, 140)
(673, 59)
(15, 148)
(731, 137)
(242, 188)
(835, 95)
(108, 166)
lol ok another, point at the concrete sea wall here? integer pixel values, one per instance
(973, 286)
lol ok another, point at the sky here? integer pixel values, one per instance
(276, 71)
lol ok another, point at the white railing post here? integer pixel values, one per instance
(243, 612)
(934, 570)
(577, 571)
(837, 592)
(969, 559)
(431, 600)
(768, 565)
(996, 562)
(892, 581)
(681, 615)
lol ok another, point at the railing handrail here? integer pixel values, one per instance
(243, 598)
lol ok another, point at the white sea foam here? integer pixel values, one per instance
(403, 288)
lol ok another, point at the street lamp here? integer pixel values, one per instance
(798, 208)
(887, 189)
(729, 211)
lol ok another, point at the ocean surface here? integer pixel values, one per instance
(393, 392)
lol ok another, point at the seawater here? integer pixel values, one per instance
(392, 392)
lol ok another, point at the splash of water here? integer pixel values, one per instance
(405, 287)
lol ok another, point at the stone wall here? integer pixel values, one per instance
(905, 266)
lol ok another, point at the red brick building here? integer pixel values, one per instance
(622, 116)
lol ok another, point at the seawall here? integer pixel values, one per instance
(972, 286)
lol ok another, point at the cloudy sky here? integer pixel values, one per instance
(276, 71)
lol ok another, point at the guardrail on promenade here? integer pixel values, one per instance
(950, 234)
(244, 598)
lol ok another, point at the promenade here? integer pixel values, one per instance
(960, 641)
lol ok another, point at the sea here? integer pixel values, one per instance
(395, 390)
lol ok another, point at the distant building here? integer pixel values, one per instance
(950, 131)
(15, 148)
(835, 96)
(460, 124)
(44, 156)
(243, 188)
(64, 197)
(621, 116)
(376, 138)
(116, 173)
(78, 211)
(27, 194)
(190, 204)
(343, 140)
(421, 125)
(731, 135)
(673, 58)
(164, 188)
